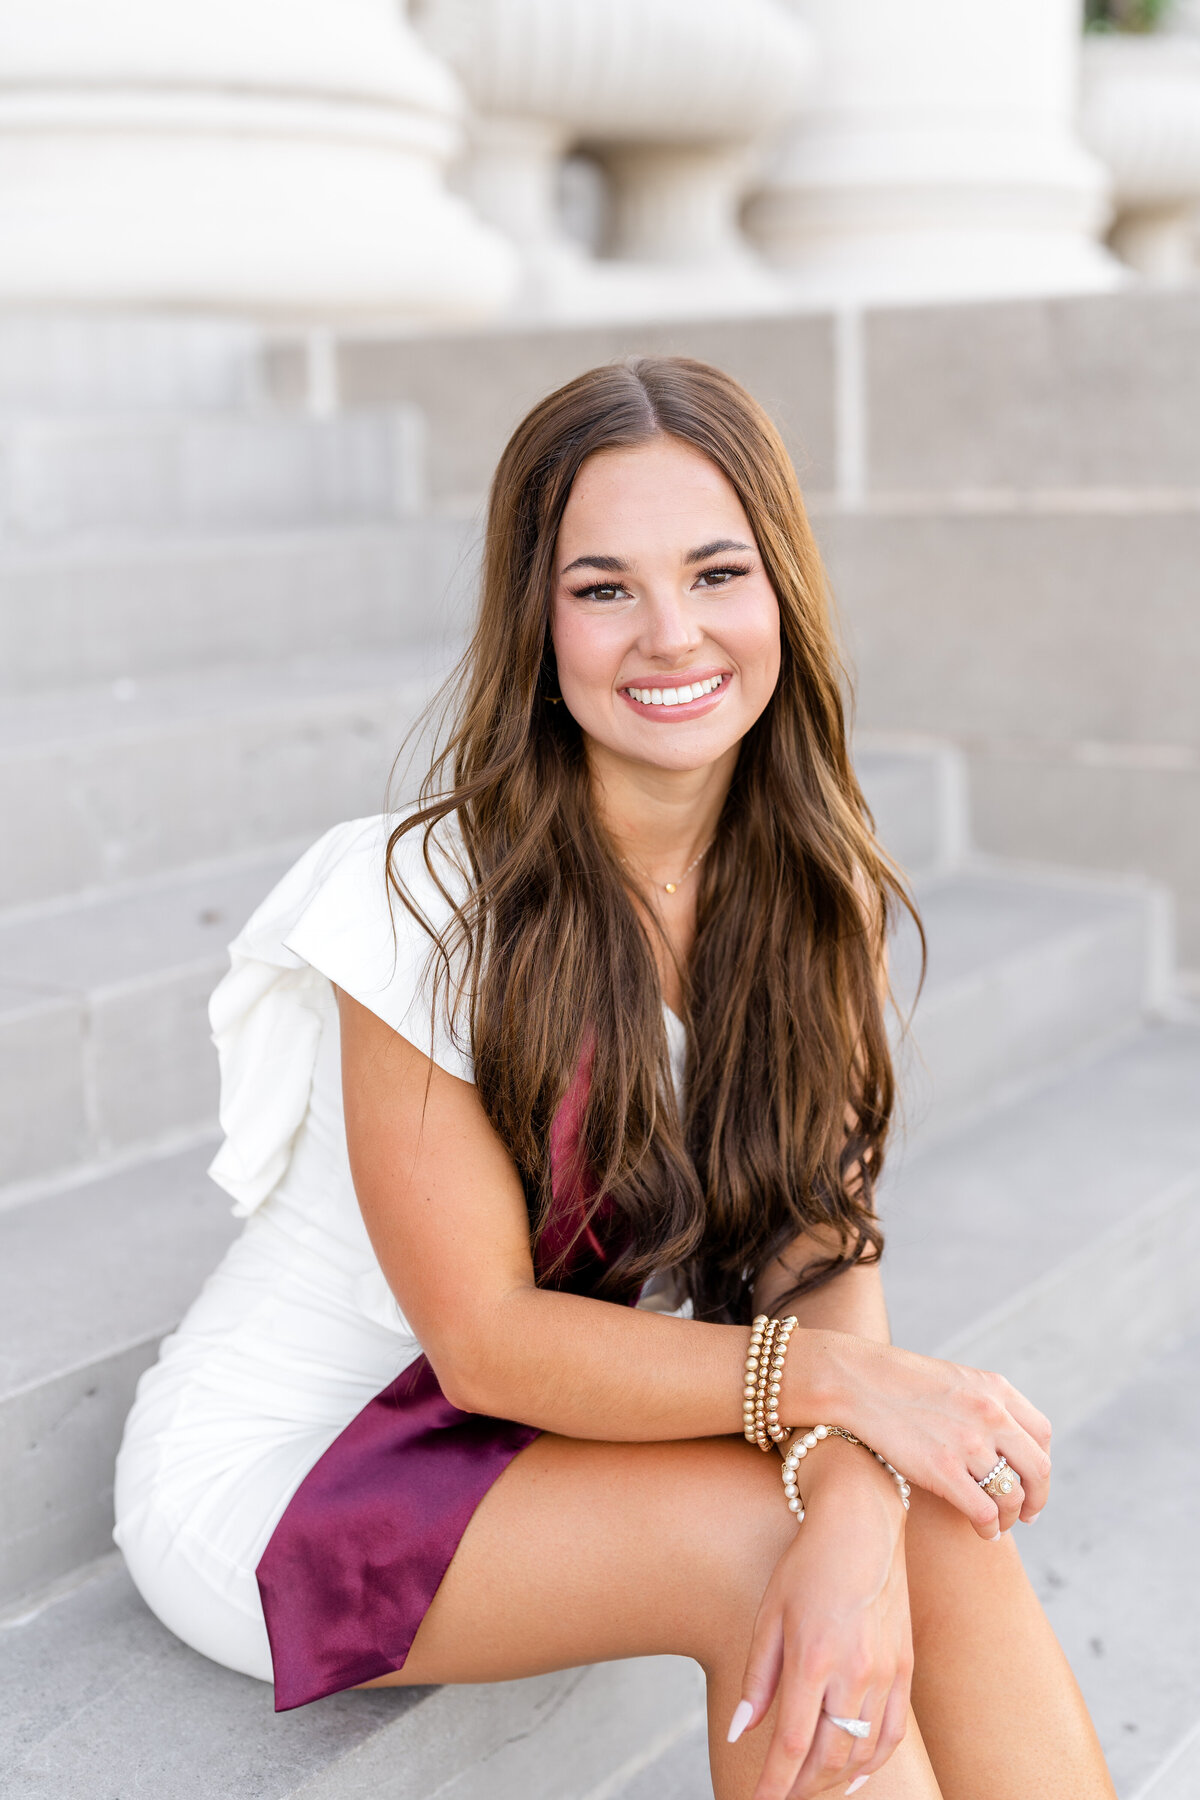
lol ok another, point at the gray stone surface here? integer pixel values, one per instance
(102, 786)
(1114, 1559)
(114, 362)
(917, 799)
(1058, 1237)
(104, 1037)
(474, 389)
(81, 614)
(98, 1702)
(1022, 973)
(90, 1280)
(1060, 626)
(1097, 391)
(1098, 810)
(146, 473)
(43, 1103)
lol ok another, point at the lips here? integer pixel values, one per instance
(666, 703)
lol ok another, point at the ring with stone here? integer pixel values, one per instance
(1000, 1480)
(858, 1728)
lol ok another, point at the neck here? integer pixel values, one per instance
(659, 818)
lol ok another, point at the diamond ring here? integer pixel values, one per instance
(859, 1728)
(1001, 1479)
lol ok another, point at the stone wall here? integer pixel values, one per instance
(1009, 498)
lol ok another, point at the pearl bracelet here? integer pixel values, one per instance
(809, 1441)
(764, 1379)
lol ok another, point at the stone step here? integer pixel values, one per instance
(70, 361)
(107, 785)
(1116, 1564)
(74, 614)
(104, 1037)
(1057, 1239)
(104, 1046)
(148, 1715)
(99, 475)
(90, 1281)
(1026, 969)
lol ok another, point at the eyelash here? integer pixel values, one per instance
(610, 587)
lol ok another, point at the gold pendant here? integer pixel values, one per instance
(670, 886)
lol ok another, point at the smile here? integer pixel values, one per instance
(685, 700)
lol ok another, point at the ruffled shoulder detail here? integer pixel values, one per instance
(332, 918)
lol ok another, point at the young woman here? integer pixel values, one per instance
(535, 1097)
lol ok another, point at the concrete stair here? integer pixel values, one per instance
(197, 686)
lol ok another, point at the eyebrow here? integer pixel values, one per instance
(613, 565)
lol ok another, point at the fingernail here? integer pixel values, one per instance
(855, 1785)
(740, 1720)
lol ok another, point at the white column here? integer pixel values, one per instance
(1141, 115)
(939, 158)
(672, 97)
(247, 155)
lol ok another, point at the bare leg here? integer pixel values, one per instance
(998, 1705)
(585, 1552)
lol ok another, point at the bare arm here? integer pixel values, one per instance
(446, 1214)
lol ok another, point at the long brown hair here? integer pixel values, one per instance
(789, 1083)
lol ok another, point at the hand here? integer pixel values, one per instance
(942, 1424)
(833, 1632)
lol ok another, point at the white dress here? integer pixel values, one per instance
(297, 1329)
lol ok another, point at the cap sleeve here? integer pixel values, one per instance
(332, 918)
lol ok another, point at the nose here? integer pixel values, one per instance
(670, 630)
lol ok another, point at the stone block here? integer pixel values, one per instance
(101, 475)
(1114, 1561)
(44, 1123)
(118, 612)
(1060, 626)
(474, 389)
(1099, 391)
(1022, 974)
(122, 1258)
(122, 985)
(148, 1713)
(102, 787)
(1098, 809)
(155, 1070)
(58, 1442)
(1057, 1238)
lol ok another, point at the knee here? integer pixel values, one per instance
(738, 1528)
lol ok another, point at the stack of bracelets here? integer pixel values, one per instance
(760, 1411)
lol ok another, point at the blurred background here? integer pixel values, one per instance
(276, 282)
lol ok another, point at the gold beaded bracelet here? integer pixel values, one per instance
(764, 1379)
(808, 1441)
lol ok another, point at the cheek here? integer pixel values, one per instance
(754, 640)
(584, 651)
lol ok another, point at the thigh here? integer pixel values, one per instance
(583, 1552)
(992, 1688)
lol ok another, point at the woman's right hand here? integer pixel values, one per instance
(943, 1424)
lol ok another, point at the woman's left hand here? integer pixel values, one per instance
(833, 1634)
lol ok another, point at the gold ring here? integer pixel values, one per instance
(1000, 1481)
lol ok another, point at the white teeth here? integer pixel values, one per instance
(675, 696)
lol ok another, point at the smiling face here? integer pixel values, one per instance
(665, 626)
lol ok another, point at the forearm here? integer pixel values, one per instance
(589, 1369)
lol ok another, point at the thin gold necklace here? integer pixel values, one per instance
(671, 887)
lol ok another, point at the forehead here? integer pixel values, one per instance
(659, 495)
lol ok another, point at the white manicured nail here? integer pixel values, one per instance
(855, 1785)
(740, 1720)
